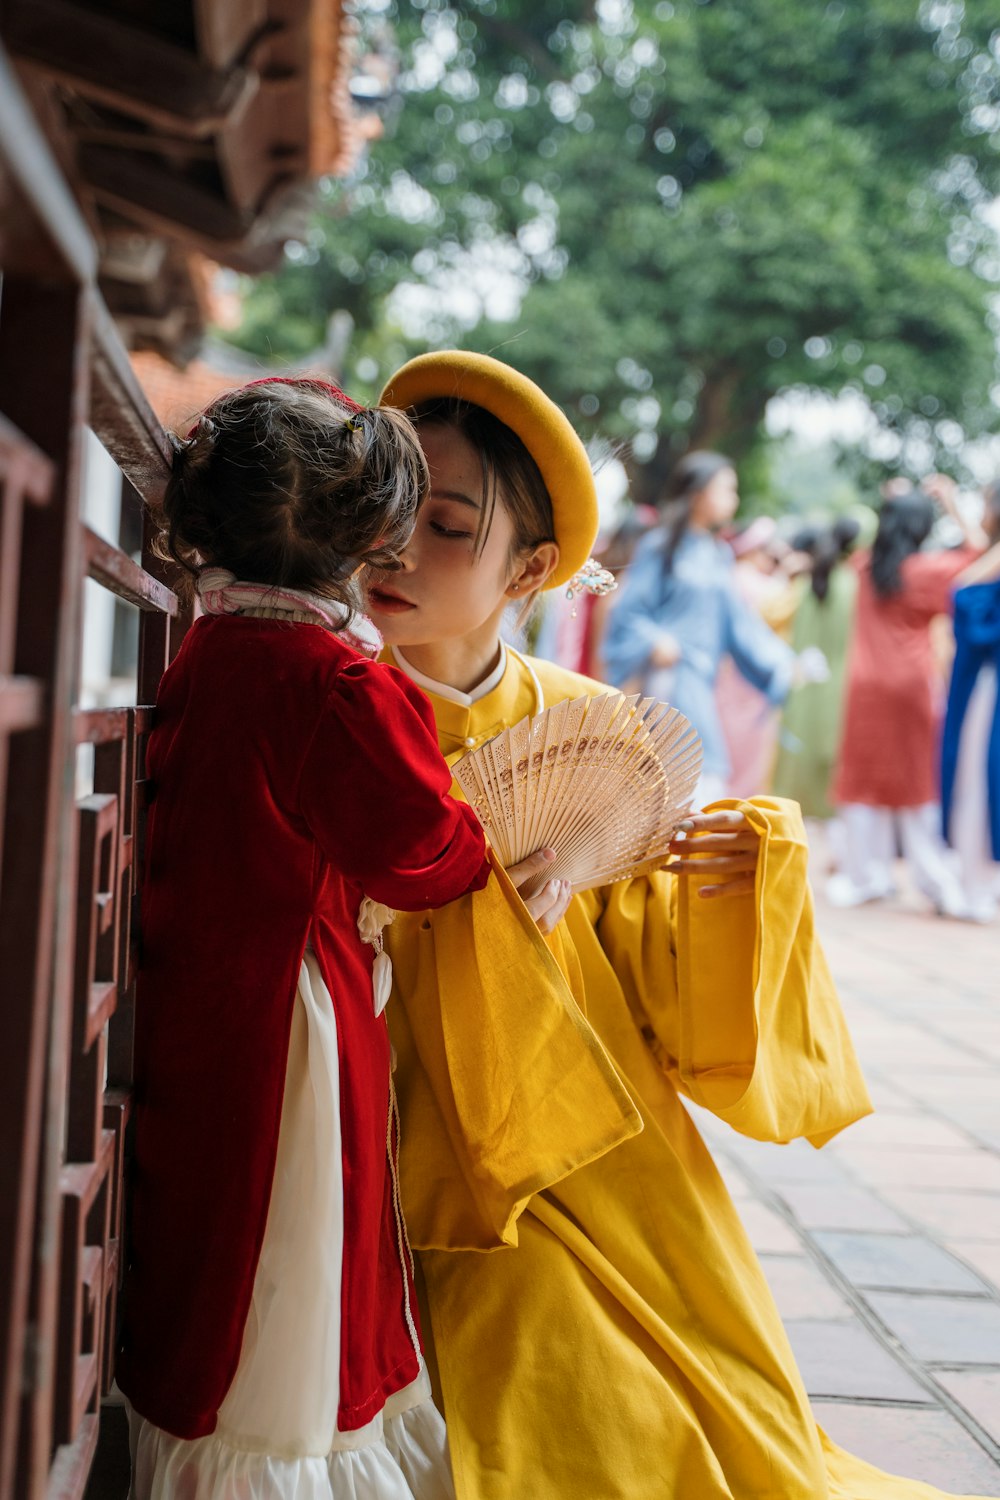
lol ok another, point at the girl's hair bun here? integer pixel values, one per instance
(281, 482)
(195, 450)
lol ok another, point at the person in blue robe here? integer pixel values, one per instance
(678, 614)
(970, 746)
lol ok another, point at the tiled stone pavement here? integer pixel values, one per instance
(883, 1249)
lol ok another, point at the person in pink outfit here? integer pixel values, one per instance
(886, 778)
(749, 717)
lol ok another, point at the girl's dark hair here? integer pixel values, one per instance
(688, 479)
(806, 538)
(829, 548)
(904, 524)
(509, 471)
(281, 484)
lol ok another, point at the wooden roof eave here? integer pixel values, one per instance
(128, 69)
(46, 230)
(213, 146)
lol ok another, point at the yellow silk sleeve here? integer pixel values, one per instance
(735, 992)
(503, 1087)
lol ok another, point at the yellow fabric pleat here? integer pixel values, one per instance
(503, 1087)
(745, 1013)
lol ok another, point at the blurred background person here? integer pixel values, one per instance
(616, 557)
(749, 717)
(809, 732)
(970, 753)
(571, 630)
(678, 614)
(886, 783)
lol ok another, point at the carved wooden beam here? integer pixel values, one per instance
(42, 230)
(175, 206)
(168, 200)
(130, 70)
(120, 413)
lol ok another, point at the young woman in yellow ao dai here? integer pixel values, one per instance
(601, 1327)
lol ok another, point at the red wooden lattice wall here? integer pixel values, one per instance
(67, 868)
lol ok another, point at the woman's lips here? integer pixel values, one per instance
(387, 603)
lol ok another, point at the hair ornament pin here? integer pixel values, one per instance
(591, 579)
(204, 428)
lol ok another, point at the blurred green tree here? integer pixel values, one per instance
(667, 211)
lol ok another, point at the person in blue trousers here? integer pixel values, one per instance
(970, 748)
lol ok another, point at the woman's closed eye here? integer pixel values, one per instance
(450, 531)
(452, 514)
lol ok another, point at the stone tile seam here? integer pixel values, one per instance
(987, 1295)
(872, 1322)
(942, 1036)
(890, 1403)
(932, 1113)
(921, 1230)
(915, 1230)
(990, 1292)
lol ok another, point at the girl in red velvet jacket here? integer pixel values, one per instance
(270, 1345)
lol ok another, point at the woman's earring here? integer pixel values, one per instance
(515, 587)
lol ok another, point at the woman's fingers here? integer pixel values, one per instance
(709, 843)
(717, 846)
(548, 907)
(722, 820)
(707, 869)
(705, 835)
(521, 873)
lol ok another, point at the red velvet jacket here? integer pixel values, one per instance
(290, 777)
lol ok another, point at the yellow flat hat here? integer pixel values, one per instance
(543, 429)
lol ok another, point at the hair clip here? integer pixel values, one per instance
(591, 579)
(353, 424)
(203, 427)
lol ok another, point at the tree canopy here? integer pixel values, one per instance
(667, 211)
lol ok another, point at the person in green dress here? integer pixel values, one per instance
(810, 723)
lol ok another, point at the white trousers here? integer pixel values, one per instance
(871, 837)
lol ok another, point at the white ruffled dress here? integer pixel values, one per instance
(277, 1437)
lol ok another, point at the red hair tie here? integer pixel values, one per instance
(326, 386)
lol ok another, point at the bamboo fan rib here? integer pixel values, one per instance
(603, 781)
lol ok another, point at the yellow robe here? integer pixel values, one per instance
(600, 1326)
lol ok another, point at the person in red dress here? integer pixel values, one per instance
(886, 777)
(270, 1342)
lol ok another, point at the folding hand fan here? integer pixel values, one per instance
(603, 781)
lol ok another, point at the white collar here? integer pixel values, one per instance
(442, 689)
(222, 593)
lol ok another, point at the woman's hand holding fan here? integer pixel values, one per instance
(719, 849)
(551, 901)
(604, 782)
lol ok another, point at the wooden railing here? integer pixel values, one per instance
(68, 868)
